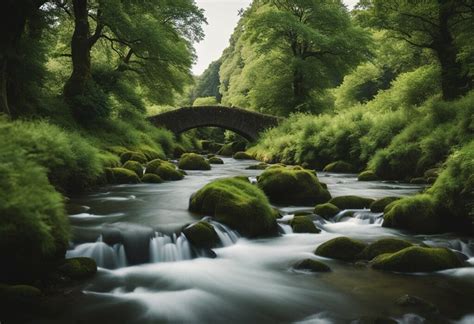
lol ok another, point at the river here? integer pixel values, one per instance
(149, 274)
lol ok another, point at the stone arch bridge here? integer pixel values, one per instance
(244, 122)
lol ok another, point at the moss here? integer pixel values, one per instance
(368, 176)
(134, 166)
(417, 214)
(238, 204)
(152, 154)
(339, 167)
(312, 265)
(242, 156)
(351, 202)
(215, 160)
(326, 210)
(132, 156)
(417, 259)
(151, 178)
(388, 245)
(121, 176)
(341, 248)
(292, 186)
(78, 268)
(303, 224)
(165, 170)
(379, 205)
(192, 161)
(259, 166)
(18, 296)
(202, 235)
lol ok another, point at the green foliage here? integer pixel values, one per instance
(341, 248)
(205, 101)
(238, 204)
(292, 186)
(208, 83)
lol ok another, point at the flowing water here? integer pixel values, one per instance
(149, 273)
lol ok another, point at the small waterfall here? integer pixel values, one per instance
(227, 236)
(364, 216)
(164, 248)
(285, 228)
(106, 256)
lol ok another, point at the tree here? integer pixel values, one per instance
(438, 25)
(208, 83)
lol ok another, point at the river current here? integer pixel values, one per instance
(151, 274)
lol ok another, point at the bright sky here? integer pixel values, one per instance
(222, 18)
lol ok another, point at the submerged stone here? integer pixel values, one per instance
(341, 248)
(312, 265)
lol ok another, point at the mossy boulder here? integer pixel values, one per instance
(215, 160)
(242, 156)
(132, 156)
(164, 169)
(78, 268)
(303, 224)
(134, 166)
(152, 178)
(326, 210)
(18, 296)
(341, 248)
(292, 187)
(367, 176)
(121, 176)
(238, 204)
(351, 202)
(379, 205)
(202, 235)
(152, 154)
(312, 265)
(193, 161)
(387, 245)
(339, 167)
(417, 214)
(417, 259)
(259, 166)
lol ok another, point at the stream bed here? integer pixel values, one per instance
(151, 274)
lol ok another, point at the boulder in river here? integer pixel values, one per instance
(339, 167)
(387, 245)
(242, 156)
(341, 248)
(292, 186)
(132, 156)
(121, 176)
(14, 297)
(417, 259)
(193, 161)
(202, 235)
(326, 210)
(134, 166)
(312, 265)
(164, 169)
(368, 175)
(351, 202)
(303, 224)
(215, 160)
(152, 178)
(259, 166)
(238, 204)
(78, 268)
(379, 205)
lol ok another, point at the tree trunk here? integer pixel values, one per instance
(298, 86)
(3, 86)
(454, 81)
(80, 50)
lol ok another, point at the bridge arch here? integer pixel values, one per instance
(244, 122)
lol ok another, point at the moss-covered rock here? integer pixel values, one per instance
(387, 245)
(379, 205)
(134, 166)
(18, 296)
(152, 154)
(238, 204)
(202, 235)
(312, 265)
(152, 178)
(292, 186)
(242, 156)
(367, 176)
(78, 268)
(326, 210)
(303, 224)
(192, 161)
(165, 170)
(351, 202)
(121, 176)
(339, 167)
(341, 248)
(417, 259)
(259, 166)
(417, 214)
(132, 156)
(215, 160)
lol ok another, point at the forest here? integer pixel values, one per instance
(383, 92)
